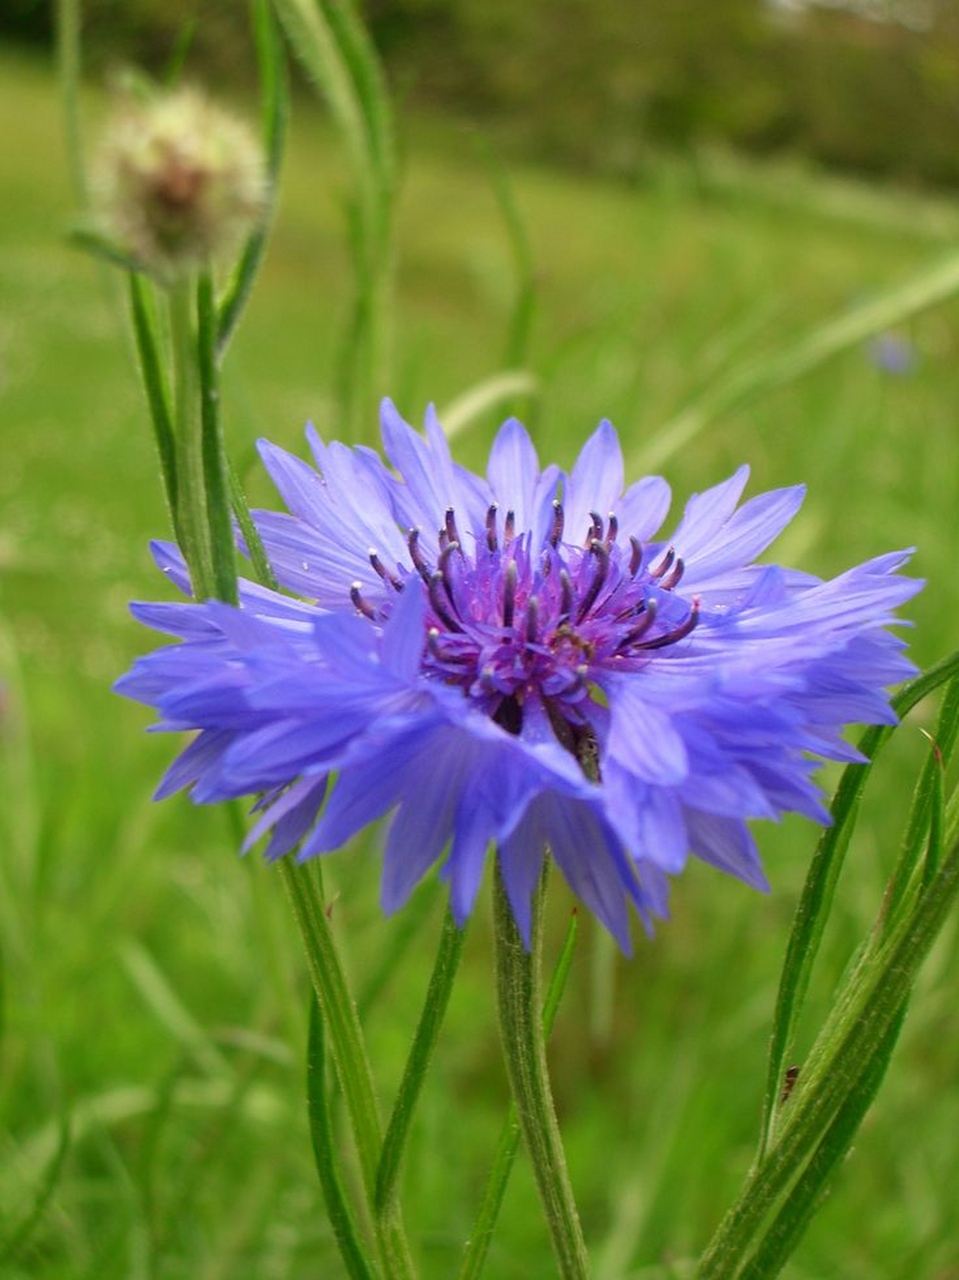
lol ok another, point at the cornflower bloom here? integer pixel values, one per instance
(520, 661)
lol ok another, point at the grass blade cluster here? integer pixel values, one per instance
(331, 42)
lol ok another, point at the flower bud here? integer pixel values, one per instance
(181, 181)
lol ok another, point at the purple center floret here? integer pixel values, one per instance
(506, 619)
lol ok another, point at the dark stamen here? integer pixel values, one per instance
(443, 538)
(509, 527)
(599, 577)
(647, 620)
(677, 634)
(612, 528)
(636, 559)
(509, 593)
(491, 525)
(416, 555)
(568, 597)
(433, 644)
(361, 605)
(595, 529)
(674, 575)
(444, 567)
(436, 591)
(546, 564)
(384, 573)
(532, 619)
(451, 531)
(559, 520)
(664, 564)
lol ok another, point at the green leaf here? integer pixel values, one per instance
(853, 1036)
(424, 1042)
(251, 535)
(154, 385)
(215, 482)
(805, 1197)
(928, 791)
(820, 887)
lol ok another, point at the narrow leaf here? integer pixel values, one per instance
(424, 1042)
(155, 386)
(789, 1225)
(215, 483)
(819, 889)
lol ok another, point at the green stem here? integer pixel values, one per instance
(215, 484)
(326, 1155)
(191, 500)
(474, 1257)
(424, 1042)
(518, 981)
(349, 1055)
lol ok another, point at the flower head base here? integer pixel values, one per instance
(181, 181)
(521, 661)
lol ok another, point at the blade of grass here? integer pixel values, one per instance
(472, 403)
(21, 1233)
(417, 1064)
(819, 890)
(332, 45)
(275, 112)
(68, 25)
(926, 288)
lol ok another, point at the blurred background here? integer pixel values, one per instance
(733, 228)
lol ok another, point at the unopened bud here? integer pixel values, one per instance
(181, 181)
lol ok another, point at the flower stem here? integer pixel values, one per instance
(474, 1256)
(349, 1055)
(518, 983)
(191, 495)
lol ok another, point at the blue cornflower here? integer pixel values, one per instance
(520, 661)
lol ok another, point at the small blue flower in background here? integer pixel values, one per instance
(893, 353)
(520, 661)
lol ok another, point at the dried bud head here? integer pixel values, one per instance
(180, 181)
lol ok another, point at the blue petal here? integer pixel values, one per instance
(596, 482)
(643, 508)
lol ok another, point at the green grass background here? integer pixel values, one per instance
(152, 987)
